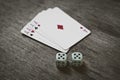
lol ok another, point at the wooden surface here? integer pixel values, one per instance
(22, 58)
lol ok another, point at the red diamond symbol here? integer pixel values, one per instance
(60, 27)
(33, 31)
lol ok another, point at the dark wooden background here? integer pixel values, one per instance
(22, 58)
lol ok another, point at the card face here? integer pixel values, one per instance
(63, 29)
(31, 30)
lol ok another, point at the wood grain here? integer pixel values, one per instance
(22, 58)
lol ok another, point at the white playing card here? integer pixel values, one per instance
(62, 29)
(29, 30)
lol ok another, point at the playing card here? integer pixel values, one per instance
(62, 29)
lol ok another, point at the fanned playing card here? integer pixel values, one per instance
(56, 29)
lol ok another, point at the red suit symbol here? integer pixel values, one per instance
(60, 27)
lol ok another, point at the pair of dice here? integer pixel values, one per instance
(61, 59)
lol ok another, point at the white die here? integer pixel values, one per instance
(61, 59)
(77, 59)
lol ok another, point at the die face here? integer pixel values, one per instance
(77, 56)
(61, 57)
(77, 59)
(61, 60)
